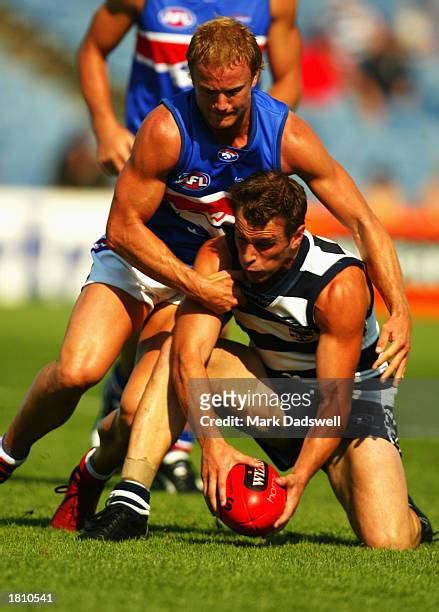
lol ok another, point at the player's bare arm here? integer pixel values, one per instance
(196, 333)
(304, 154)
(138, 193)
(108, 27)
(284, 52)
(337, 356)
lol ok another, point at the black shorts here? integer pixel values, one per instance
(371, 416)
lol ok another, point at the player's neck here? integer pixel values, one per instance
(236, 136)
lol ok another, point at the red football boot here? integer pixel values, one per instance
(6, 470)
(80, 500)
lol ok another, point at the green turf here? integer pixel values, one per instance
(187, 563)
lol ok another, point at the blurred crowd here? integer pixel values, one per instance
(381, 65)
(354, 50)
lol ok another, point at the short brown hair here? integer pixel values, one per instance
(224, 42)
(265, 195)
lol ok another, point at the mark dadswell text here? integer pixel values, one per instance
(285, 420)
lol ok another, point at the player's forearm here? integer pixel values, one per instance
(379, 254)
(194, 397)
(146, 252)
(288, 89)
(314, 454)
(95, 86)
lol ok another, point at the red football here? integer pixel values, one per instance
(254, 500)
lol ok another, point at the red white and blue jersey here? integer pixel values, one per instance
(164, 30)
(196, 205)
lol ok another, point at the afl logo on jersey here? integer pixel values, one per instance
(228, 155)
(177, 17)
(196, 181)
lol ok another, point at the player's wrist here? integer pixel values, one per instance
(197, 286)
(302, 474)
(103, 123)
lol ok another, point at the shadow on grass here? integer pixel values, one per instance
(220, 535)
(197, 535)
(18, 478)
(25, 520)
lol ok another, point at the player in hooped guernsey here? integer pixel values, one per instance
(280, 320)
(165, 28)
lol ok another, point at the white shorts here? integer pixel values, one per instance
(110, 269)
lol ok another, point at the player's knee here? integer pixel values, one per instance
(78, 375)
(215, 362)
(181, 360)
(388, 537)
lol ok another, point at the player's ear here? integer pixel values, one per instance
(296, 238)
(255, 78)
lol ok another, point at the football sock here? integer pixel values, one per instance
(175, 455)
(131, 494)
(87, 469)
(184, 443)
(8, 463)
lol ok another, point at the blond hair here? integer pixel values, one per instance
(223, 42)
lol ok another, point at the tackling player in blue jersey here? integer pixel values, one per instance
(159, 69)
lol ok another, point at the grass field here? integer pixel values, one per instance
(187, 563)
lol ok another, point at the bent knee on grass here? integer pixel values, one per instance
(368, 478)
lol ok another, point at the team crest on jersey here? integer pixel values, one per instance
(299, 333)
(228, 155)
(195, 181)
(177, 17)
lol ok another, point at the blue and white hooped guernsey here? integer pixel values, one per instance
(280, 320)
(196, 205)
(164, 30)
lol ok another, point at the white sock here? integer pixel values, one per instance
(175, 455)
(90, 469)
(7, 458)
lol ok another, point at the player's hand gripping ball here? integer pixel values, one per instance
(254, 500)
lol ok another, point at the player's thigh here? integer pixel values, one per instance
(102, 320)
(368, 478)
(231, 360)
(157, 329)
